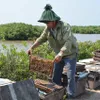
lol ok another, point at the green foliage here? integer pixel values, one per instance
(86, 29)
(87, 48)
(19, 31)
(13, 64)
(44, 51)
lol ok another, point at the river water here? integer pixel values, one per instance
(24, 45)
(87, 37)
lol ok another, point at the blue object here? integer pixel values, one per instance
(82, 75)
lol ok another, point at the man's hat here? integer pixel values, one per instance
(48, 15)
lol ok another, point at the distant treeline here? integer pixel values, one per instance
(22, 31)
(19, 31)
(86, 29)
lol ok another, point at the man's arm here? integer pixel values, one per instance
(39, 41)
(36, 44)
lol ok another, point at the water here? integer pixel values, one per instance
(87, 37)
(19, 44)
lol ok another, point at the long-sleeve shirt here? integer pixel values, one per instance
(60, 39)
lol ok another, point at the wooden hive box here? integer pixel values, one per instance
(48, 90)
(40, 65)
(96, 55)
(93, 80)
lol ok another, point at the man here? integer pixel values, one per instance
(64, 44)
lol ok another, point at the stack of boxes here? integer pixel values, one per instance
(96, 56)
(80, 78)
(93, 68)
(46, 90)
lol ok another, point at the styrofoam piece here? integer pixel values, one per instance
(87, 61)
(93, 67)
(80, 63)
(5, 81)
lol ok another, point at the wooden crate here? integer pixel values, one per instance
(93, 80)
(80, 83)
(80, 67)
(97, 53)
(37, 64)
(49, 91)
(96, 56)
(45, 67)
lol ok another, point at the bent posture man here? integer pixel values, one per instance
(64, 45)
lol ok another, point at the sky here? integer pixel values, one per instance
(74, 12)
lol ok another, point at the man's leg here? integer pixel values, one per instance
(70, 64)
(57, 74)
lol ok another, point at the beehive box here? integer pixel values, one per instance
(96, 55)
(40, 65)
(45, 89)
(49, 91)
(93, 80)
(80, 82)
(80, 67)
